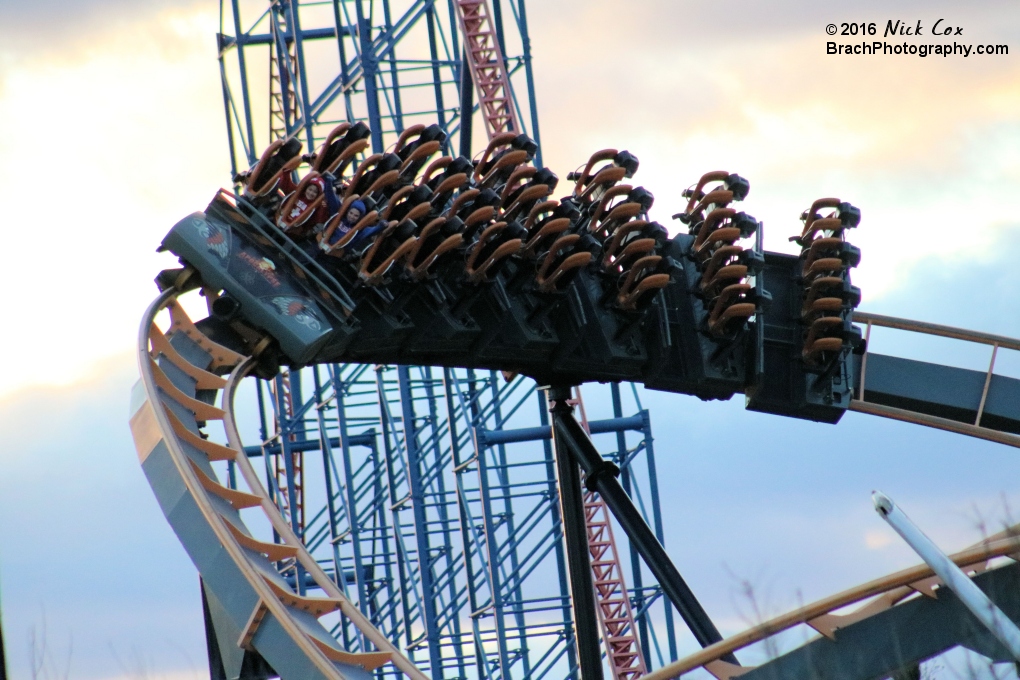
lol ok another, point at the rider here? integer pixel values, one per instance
(354, 213)
(302, 229)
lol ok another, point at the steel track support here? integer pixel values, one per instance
(561, 566)
(444, 517)
(575, 538)
(429, 594)
(468, 533)
(502, 473)
(350, 503)
(370, 67)
(569, 436)
(411, 610)
(467, 105)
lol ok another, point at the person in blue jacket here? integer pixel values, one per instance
(354, 213)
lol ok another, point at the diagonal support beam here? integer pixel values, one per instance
(601, 477)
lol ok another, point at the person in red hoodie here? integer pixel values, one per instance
(308, 213)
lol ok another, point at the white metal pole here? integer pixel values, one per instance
(1004, 630)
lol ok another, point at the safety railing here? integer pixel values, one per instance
(975, 429)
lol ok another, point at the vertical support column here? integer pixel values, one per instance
(344, 76)
(230, 125)
(286, 427)
(561, 567)
(653, 486)
(503, 476)
(429, 594)
(489, 521)
(437, 78)
(241, 38)
(460, 469)
(529, 78)
(575, 538)
(404, 581)
(328, 468)
(299, 56)
(369, 68)
(445, 520)
(398, 112)
(350, 488)
(467, 105)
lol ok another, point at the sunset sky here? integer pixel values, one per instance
(113, 130)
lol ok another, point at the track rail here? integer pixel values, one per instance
(976, 427)
(890, 591)
(251, 598)
(255, 609)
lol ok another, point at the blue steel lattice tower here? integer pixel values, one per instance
(428, 494)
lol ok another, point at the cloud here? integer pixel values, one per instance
(135, 143)
(48, 26)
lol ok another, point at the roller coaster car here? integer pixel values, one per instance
(503, 154)
(845, 216)
(425, 142)
(256, 274)
(565, 258)
(411, 202)
(342, 145)
(492, 249)
(827, 337)
(438, 240)
(390, 247)
(279, 157)
(375, 174)
(829, 295)
(589, 188)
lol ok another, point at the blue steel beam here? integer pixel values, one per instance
(421, 531)
(374, 37)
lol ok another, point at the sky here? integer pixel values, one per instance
(112, 130)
